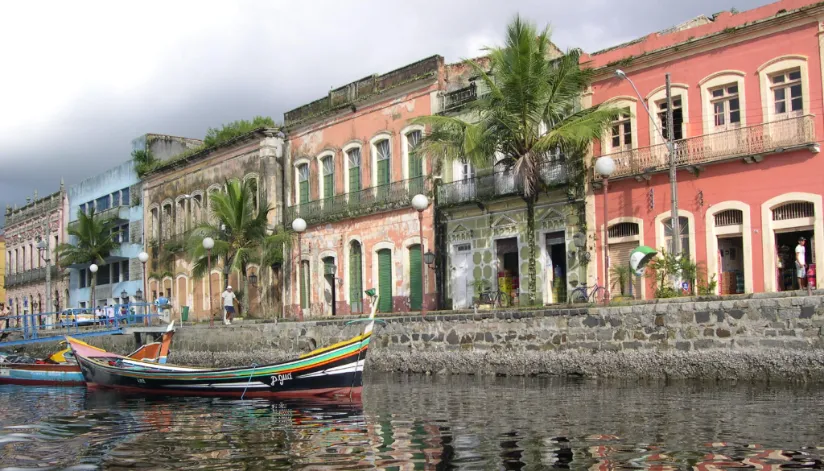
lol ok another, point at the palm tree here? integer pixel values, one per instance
(532, 109)
(239, 231)
(93, 242)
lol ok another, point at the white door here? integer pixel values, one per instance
(462, 277)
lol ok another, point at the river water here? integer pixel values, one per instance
(419, 422)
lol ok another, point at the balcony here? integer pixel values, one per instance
(30, 276)
(483, 188)
(748, 142)
(397, 195)
(118, 214)
(460, 97)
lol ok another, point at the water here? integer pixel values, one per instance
(418, 422)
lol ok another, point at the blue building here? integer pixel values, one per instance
(115, 194)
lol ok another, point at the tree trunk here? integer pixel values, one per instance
(530, 237)
(91, 293)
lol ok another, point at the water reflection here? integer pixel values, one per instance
(423, 423)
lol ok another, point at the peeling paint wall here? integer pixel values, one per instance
(396, 229)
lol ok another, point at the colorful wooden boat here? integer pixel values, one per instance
(61, 369)
(331, 372)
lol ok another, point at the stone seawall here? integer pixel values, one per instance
(775, 336)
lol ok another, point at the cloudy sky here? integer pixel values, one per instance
(79, 80)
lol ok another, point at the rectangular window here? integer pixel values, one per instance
(115, 272)
(354, 157)
(102, 203)
(115, 199)
(83, 208)
(81, 282)
(104, 275)
(124, 270)
(677, 118)
(622, 131)
(787, 94)
(124, 196)
(683, 230)
(726, 106)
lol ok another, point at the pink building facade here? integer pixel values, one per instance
(25, 278)
(747, 104)
(351, 174)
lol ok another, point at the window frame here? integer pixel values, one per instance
(777, 66)
(406, 148)
(321, 158)
(658, 96)
(349, 147)
(714, 81)
(297, 167)
(606, 139)
(373, 150)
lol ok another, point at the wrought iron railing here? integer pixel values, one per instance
(397, 195)
(751, 140)
(460, 97)
(29, 276)
(489, 186)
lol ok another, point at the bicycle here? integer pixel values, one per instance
(582, 295)
(490, 297)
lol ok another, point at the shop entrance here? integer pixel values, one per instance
(508, 268)
(731, 261)
(555, 269)
(785, 243)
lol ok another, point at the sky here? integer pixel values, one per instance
(79, 80)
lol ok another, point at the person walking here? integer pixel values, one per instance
(228, 305)
(801, 262)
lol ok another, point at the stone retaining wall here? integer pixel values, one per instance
(750, 336)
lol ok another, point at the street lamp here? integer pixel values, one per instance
(675, 223)
(605, 167)
(299, 225)
(43, 250)
(93, 269)
(208, 244)
(429, 258)
(143, 257)
(420, 203)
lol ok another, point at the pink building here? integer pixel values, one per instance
(40, 219)
(351, 172)
(747, 100)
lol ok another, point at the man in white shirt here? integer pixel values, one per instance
(801, 262)
(228, 305)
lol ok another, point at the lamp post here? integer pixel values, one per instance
(420, 203)
(208, 243)
(43, 247)
(674, 222)
(605, 167)
(299, 225)
(144, 257)
(93, 269)
(429, 259)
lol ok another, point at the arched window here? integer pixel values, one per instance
(684, 232)
(383, 157)
(414, 162)
(253, 189)
(303, 183)
(729, 217)
(328, 169)
(793, 210)
(353, 159)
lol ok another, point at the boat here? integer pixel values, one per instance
(62, 369)
(330, 372)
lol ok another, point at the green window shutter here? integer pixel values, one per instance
(355, 279)
(304, 285)
(385, 280)
(383, 172)
(354, 179)
(304, 192)
(329, 185)
(415, 165)
(415, 278)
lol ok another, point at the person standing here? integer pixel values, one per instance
(228, 305)
(801, 262)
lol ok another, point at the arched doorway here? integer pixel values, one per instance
(355, 277)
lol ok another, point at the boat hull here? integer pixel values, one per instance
(335, 372)
(41, 375)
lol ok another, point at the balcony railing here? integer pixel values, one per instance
(397, 195)
(460, 97)
(29, 276)
(499, 184)
(735, 143)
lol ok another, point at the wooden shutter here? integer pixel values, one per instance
(383, 172)
(385, 280)
(304, 192)
(619, 257)
(415, 278)
(355, 279)
(328, 177)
